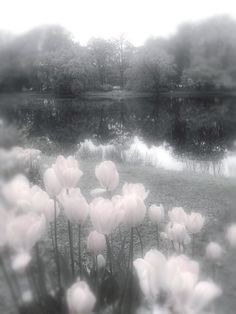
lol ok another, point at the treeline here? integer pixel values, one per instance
(198, 56)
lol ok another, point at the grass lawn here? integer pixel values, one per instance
(213, 197)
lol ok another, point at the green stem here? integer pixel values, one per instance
(79, 247)
(56, 245)
(70, 232)
(140, 240)
(109, 254)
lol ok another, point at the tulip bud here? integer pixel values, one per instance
(231, 235)
(178, 215)
(101, 262)
(107, 175)
(51, 182)
(195, 222)
(213, 251)
(80, 299)
(156, 214)
(67, 170)
(104, 216)
(137, 189)
(96, 242)
(75, 205)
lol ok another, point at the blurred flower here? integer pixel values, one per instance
(96, 242)
(27, 296)
(156, 213)
(101, 262)
(75, 205)
(20, 261)
(134, 210)
(51, 182)
(80, 299)
(213, 251)
(23, 231)
(178, 215)
(104, 216)
(137, 189)
(17, 191)
(195, 222)
(107, 175)
(175, 278)
(178, 234)
(231, 235)
(67, 171)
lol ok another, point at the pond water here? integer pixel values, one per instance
(199, 129)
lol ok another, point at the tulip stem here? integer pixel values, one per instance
(140, 240)
(56, 245)
(79, 246)
(109, 253)
(158, 239)
(70, 232)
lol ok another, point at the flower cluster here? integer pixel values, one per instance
(169, 284)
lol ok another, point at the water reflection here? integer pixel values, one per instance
(195, 128)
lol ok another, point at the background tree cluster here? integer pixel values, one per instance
(199, 56)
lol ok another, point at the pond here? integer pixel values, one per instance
(198, 129)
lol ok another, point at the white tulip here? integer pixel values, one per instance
(195, 222)
(213, 251)
(51, 182)
(96, 242)
(75, 205)
(203, 294)
(231, 235)
(17, 191)
(67, 170)
(107, 175)
(21, 261)
(101, 262)
(80, 299)
(178, 234)
(104, 216)
(156, 214)
(134, 210)
(25, 230)
(137, 189)
(178, 215)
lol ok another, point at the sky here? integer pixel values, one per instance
(137, 19)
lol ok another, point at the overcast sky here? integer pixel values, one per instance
(138, 19)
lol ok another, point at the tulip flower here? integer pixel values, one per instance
(178, 234)
(17, 190)
(213, 251)
(137, 189)
(178, 215)
(52, 183)
(80, 299)
(25, 230)
(67, 171)
(104, 216)
(195, 222)
(231, 235)
(156, 214)
(96, 242)
(107, 175)
(134, 210)
(177, 279)
(75, 206)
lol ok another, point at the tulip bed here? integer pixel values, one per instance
(75, 246)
